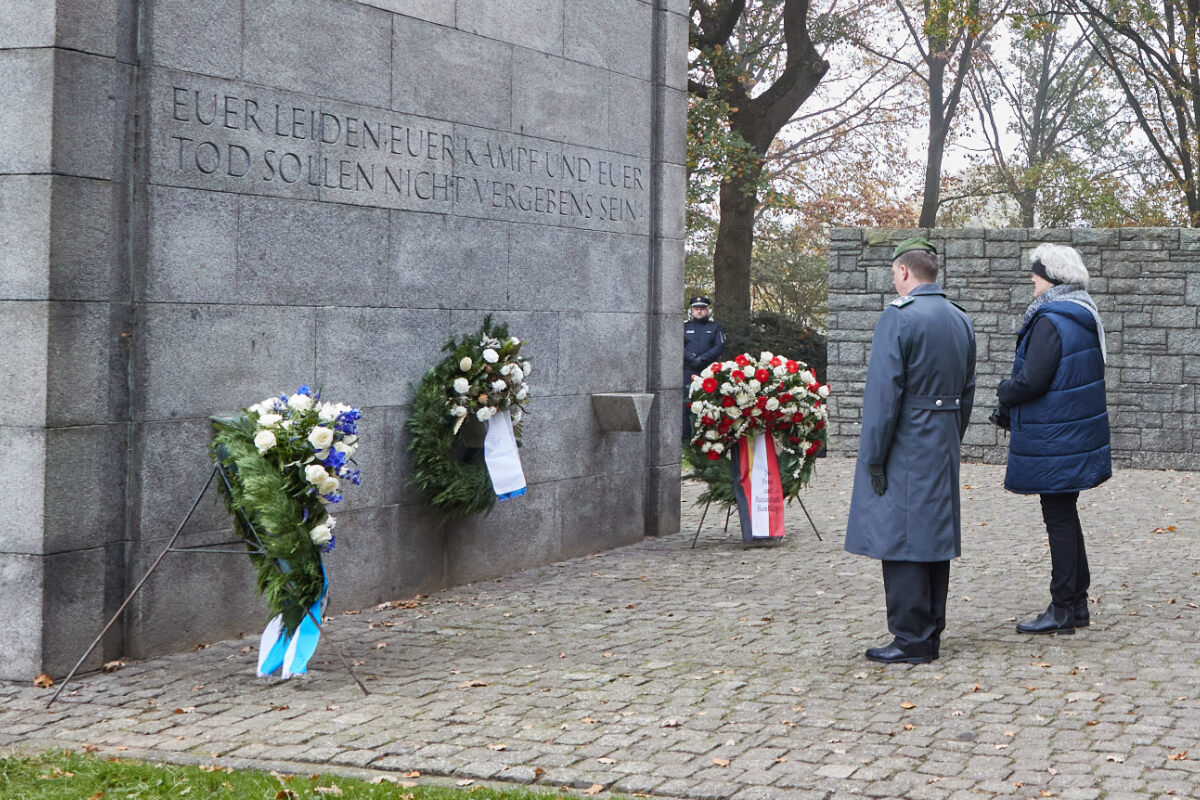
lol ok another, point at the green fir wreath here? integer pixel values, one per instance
(481, 375)
(735, 399)
(285, 460)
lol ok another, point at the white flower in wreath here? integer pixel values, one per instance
(315, 473)
(328, 413)
(267, 420)
(458, 411)
(461, 385)
(516, 375)
(744, 399)
(526, 367)
(697, 385)
(264, 441)
(728, 388)
(523, 392)
(517, 415)
(465, 364)
(754, 386)
(711, 435)
(322, 534)
(765, 357)
(807, 377)
(733, 412)
(321, 437)
(772, 403)
(499, 386)
(342, 447)
(485, 413)
(780, 371)
(328, 485)
(718, 448)
(514, 341)
(491, 356)
(823, 391)
(706, 372)
(300, 402)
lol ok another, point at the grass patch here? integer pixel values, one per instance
(65, 775)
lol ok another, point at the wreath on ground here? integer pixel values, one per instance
(481, 375)
(285, 459)
(733, 399)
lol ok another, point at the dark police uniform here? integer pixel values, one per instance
(703, 343)
(917, 402)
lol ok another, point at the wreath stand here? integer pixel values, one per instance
(256, 549)
(729, 513)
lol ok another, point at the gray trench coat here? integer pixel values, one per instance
(916, 405)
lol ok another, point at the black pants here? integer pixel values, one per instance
(916, 603)
(1069, 574)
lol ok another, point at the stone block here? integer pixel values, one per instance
(191, 599)
(1166, 369)
(85, 499)
(674, 184)
(630, 115)
(664, 428)
(85, 262)
(26, 24)
(614, 34)
(622, 411)
(588, 524)
(402, 345)
(450, 75)
(24, 499)
(22, 605)
(383, 554)
(675, 48)
(670, 278)
(87, 139)
(1173, 316)
(673, 135)
(214, 359)
(203, 37)
(663, 490)
(1183, 342)
(665, 353)
(1192, 290)
(26, 110)
(25, 236)
(86, 378)
(318, 47)
(437, 11)
(394, 442)
(559, 99)
(24, 329)
(603, 352)
(499, 543)
(172, 467)
(191, 246)
(295, 252)
(443, 261)
(535, 24)
(576, 447)
(560, 269)
(92, 26)
(1001, 250)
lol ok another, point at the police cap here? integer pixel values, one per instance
(700, 300)
(913, 243)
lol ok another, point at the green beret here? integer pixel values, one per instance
(913, 243)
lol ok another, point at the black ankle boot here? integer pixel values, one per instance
(1082, 618)
(1052, 620)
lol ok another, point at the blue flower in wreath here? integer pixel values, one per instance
(304, 390)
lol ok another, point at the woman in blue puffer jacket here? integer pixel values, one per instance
(1055, 409)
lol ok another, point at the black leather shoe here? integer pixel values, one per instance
(1082, 618)
(893, 654)
(1052, 620)
(937, 647)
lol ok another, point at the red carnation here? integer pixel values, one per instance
(775, 362)
(761, 402)
(785, 397)
(737, 375)
(762, 375)
(715, 366)
(820, 424)
(713, 455)
(793, 440)
(792, 367)
(813, 449)
(707, 420)
(727, 401)
(813, 387)
(709, 385)
(742, 360)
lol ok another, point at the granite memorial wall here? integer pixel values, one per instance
(206, 202)
(1144, 281)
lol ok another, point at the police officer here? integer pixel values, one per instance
(904, 509)
(703, 343)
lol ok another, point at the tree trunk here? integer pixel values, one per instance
(735, 244)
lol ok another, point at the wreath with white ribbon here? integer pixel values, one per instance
(466, 423)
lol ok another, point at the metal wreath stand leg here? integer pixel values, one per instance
(209, 548)
(729, 513)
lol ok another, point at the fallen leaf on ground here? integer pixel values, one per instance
(669, 723)
(607, 760)
(380, 645)
(466, 781)
(333, 790)
(113, 666)
(185, 710)
(907, 704)
(497, 746)
(908, 726)
(90, 748)
(595, 788)
(1180, 756)
(413, 774)
(285, 794)
(588, 721)
(474, 683)
(721, 762)
(1115, 757)
(96, 796)
(43, 681)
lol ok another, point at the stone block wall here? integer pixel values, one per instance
(1146, 284)
(206, 202)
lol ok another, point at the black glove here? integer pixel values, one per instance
(1000, 417)
(878, 480)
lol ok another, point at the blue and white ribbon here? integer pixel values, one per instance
(289, 655)
(502, 459)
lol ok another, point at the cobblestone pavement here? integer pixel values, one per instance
(721, 673)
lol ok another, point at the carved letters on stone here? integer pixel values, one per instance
(208, 133)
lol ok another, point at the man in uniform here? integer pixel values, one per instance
(904, 509)
(703, 343)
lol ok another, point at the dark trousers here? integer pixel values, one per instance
(916, 603)
(1069, 574)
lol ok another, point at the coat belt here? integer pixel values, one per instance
(933, 402)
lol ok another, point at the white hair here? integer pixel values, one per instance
(1062, 263)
